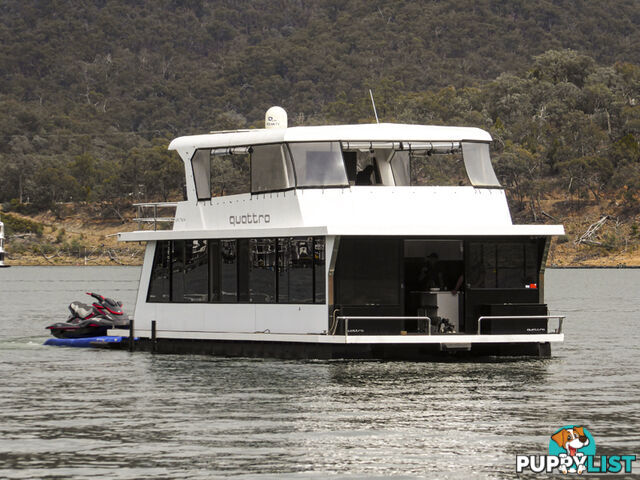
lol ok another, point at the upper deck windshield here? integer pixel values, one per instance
(283, 166)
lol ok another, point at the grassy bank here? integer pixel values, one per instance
(77, 237)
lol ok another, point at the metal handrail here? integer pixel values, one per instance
(155, 219)
(347, 318)
(523, 317)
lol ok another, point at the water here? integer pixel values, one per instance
(83, 413)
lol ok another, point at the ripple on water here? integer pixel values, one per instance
(76, 413)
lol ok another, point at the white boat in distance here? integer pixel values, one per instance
(330, 249)
(2, 252)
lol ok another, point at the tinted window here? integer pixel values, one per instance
(511, 268)
(318, 164)
(271, 168)
(295, 270)
(190, 261)
(400, 167)
(262, 270)
(196, 275)
(215, 283)
(243, 270)
(217, 173)
(177, 270)
(301, 270)
(160, 274)
(284, 265)
(257, 270)
(230, 174)
(368, 271)
(201, 164)
(319, 269)
(477, 162)
(503, 264)
(532, 263)
(228, 274)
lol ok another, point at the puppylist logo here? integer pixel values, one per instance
(572, 449)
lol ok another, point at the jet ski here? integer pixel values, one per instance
(91, 320)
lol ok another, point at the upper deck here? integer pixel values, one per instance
(338, 180)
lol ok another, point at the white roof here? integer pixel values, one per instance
(505, 231)
(391, 132)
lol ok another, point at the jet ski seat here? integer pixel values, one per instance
(79, 309)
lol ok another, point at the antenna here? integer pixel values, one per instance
(374, 106)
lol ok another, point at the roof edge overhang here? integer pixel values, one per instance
(489, 231)
(383, 132)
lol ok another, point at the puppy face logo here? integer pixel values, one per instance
(571, 439)
(575, 443)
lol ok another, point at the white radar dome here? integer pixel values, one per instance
(276, 117)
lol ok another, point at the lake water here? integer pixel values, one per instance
(83, 413)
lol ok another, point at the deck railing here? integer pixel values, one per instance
(347, 318)
(560, 319)
(147, 213)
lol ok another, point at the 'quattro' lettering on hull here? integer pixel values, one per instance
(249, 218)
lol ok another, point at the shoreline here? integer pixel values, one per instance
(136, 264)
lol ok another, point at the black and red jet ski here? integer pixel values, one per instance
(91, 320)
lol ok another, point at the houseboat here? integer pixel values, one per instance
(343, 241)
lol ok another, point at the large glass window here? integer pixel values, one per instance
(503, 264)
(256, 270)
(301, 270)
(230, 174)
(318, 164)
(215, 270)
(220, 172)
(201, 164)
(228, 270)
(264, 168)
(243, 270)
(510, 265)
(319, 269)
(437, 168)
(368, 271)
(271, 168)
(295, 270)
(400, 166)
(477, 162)
(284, 265)
(160, 283)
(482, 261)
(177, 271)
(190, 260)
(262, 270)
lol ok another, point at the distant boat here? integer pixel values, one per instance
(2, 265)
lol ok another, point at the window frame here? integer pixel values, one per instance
(242, 246)
(287, 153)
(344, 167)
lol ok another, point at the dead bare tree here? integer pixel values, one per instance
(587, 237)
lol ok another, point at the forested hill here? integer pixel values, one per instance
(91, 92)
(176, 66)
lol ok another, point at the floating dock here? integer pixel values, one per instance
(88, 342)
